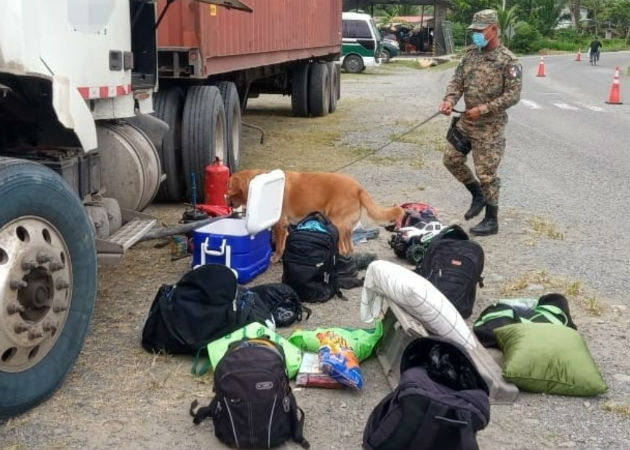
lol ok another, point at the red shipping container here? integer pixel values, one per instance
(276, 31)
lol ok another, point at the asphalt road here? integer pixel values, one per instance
(568, 159)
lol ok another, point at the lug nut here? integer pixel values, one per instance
(14, 308)
(17, 284)
(61, 284)
(19, 328)
(28, 264)
(56, 265)
(43, 257)
(59, 308)
(35, 334)
(49, 326)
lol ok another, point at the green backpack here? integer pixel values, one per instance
(550, 308)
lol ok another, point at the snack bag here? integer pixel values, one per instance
(338, 360)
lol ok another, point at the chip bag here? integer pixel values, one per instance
(338, 360)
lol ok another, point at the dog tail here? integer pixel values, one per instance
(376, 212)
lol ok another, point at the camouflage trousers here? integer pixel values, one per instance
(488, 143)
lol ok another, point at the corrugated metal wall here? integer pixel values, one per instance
(279, 27)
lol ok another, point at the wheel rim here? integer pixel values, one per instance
(353, 64)
(35, 291)
(220, 149)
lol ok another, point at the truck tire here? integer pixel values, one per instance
(319, 90)
(333, 75)
(169, 104)
(232, 107)
(203, 135)
(48, 283)
(299, 90)
(353, 64)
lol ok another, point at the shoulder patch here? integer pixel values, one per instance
(514, 71)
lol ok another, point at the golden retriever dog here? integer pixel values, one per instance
(338, 196)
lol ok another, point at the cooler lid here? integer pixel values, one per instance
(264, 201)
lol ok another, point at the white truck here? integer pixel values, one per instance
(76, 86)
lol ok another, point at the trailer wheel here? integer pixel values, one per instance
(168, 107)
(299, 90)
(353, 64)
(47, 283)
(319, 90)
(203, 135)
(232, 107)
(333, 75)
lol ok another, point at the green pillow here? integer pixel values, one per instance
(549, 358)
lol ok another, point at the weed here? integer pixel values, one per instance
(574, 289)
(594, 306)
(521, 283)
(546, 228)
(618, 408)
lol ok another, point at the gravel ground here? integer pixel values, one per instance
(118, 396)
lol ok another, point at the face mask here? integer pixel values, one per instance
(479, 40)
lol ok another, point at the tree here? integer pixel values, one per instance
(596, 7)
(507, 18)
(617, 14)
(547, 14)
(574, 8)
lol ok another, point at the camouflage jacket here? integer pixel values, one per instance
(489, 80)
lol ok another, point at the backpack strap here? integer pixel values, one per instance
(298, 430)
(430, 426)
(507, 313)
(550, 312)
(201, 364)
(202, 413)
(466, 433)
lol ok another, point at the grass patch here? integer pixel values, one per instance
(430, 136)
(545, 228)
(415, 162)
(572, 289)
(445, 66)
(297, 143)
(617, 408)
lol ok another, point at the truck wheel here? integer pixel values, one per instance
(232, 107)
(386, 55)
(203, 135)
(47, 283)
(299, 90)
(333, 75)
(353, 64)
(168, 107)
(319, 90)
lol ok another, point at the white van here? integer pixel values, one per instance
(361, 42)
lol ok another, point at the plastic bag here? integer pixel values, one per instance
(361, 341)
(337, 359)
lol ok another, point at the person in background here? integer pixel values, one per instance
(594, 48)
(490, 78)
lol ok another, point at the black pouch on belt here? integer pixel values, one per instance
(458, 138)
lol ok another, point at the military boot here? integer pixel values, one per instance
(489, 225)
(478, 201)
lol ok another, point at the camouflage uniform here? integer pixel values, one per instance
(492, 81)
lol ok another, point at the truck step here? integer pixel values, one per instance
(135, 225)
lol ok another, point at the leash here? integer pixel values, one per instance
(415, 127)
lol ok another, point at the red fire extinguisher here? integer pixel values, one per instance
(217, 178)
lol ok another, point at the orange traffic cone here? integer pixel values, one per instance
(541, 68)
(579, 55)
(615, 91)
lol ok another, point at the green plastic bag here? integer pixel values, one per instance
(292, 354)
(362, 341)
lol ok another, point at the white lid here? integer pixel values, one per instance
(264, 201)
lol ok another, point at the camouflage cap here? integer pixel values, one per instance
(483, 19)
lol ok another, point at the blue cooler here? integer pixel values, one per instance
(244, 245)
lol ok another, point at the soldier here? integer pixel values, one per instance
(489, 78)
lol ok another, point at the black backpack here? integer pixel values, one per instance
(550, 308)
(253, 406)
(310, 257)
(440, 403)
(283, 302)
(203, 306)
(453, 264)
